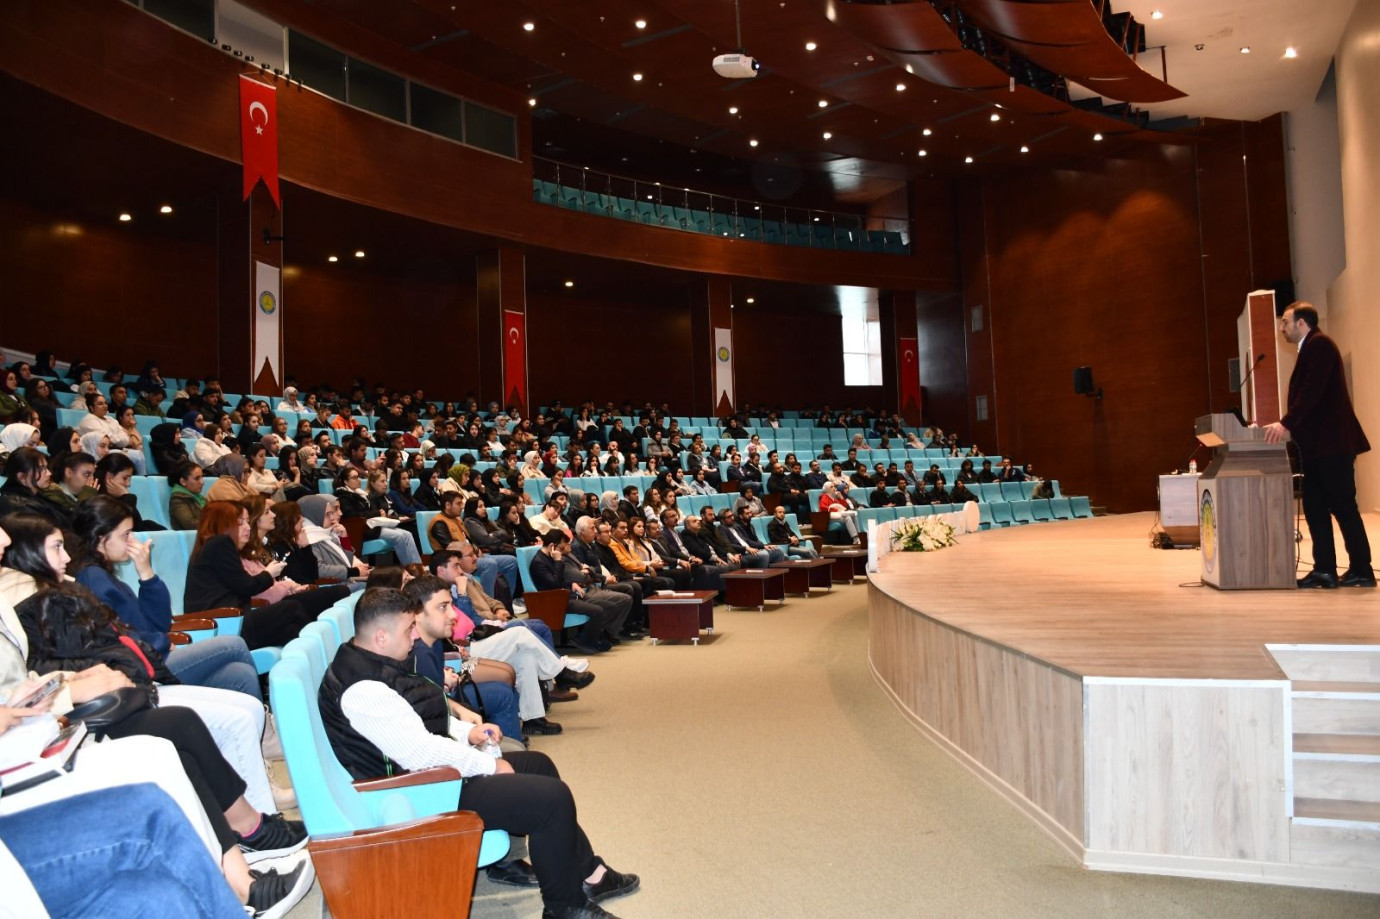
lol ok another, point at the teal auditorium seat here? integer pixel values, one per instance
(1040, 510)
(330, 802)
(1060, 509)
(1081, 507)
(1001, 513)
(424, 519)
(1012, 491)
(985, 520)
(546, 605)
(1020, 511)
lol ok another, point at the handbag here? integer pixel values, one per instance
(467, 680)
(109, 709)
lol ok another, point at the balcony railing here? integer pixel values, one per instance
(654, 204)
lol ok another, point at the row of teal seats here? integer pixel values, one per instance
(844, 233)
(170, 554)
(154, 492)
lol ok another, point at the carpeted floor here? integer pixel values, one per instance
(764, 774)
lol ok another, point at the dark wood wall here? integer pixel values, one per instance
(1136, 267)
(99, 293)
(795, 359)
(403, 332)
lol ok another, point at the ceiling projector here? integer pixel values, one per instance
(736, 66)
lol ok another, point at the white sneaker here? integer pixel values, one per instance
(520, 607)
(578, 664)
(279, 884)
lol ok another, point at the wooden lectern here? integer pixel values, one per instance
(1245, 508)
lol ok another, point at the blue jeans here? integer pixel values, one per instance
(117, 853)
(490, 567)
(500, 706)
(222, 662)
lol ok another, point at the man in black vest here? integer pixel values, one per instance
(1324, 426)
(384, 720)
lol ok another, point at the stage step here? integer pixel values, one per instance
(1331, 663)
(1337, 777)
(1367, 812)
(1346, 744)
(1334, 686)
(1336, 713)
(1336, 844)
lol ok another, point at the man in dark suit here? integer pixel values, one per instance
(705, 576)
(1322, 423)
(607, 611)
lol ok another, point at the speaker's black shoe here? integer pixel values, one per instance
(1358, 580)
(540, 726)
(613, 884)
(1316, 579)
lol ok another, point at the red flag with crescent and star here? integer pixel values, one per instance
(515, 359)
(259, 135)
(908, 394)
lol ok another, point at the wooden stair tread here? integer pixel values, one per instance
(1337, 743)
(1325, 809)
(1334, 686)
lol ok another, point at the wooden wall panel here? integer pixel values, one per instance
(796, 359)
(1015, 721)
(944, 365)
(973, 281)
(343, 323)
(106, 294)
(1101, 269)
(583, 346)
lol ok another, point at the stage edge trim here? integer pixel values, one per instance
(1359, 880)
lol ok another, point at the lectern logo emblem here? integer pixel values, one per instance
(1207, 531)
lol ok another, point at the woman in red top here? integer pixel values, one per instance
(841, 508)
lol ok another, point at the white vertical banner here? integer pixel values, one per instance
(723, 371)
(268, 326)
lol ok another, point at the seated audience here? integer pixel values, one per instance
(780, 533)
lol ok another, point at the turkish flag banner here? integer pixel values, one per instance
(515, 359)
(908, 392)
(259, 135)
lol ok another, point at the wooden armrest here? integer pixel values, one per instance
(326, 582)
(358, 872)
(408, 779)
(220, 612)
(179, 638)
(547, 606)
(256, 603)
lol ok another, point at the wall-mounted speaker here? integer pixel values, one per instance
(1083, 381)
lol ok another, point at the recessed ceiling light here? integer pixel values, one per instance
(995, 117)
(1245, 49)
(810, 46)
(125, 218)
(752, 142)
(649, 197)
(1025, 149)
(927, 132)
(923, 152)
(827, 135)
(733, 109)
(532, 102)
(1097, 136)
(823, 103)
(637, 78)
(641, 23)
(1291, 52)
(816, 220)
(752, 299)
(569, 283)
(165, 209)
(967, 159)
(332, 258)
(528, 26)
(900, 87)
(1157, 14)
(359, 253)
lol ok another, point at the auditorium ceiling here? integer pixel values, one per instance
(870, 94)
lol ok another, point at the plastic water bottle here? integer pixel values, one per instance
(490, 746)
(1193, 467)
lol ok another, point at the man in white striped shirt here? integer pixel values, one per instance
(383, 719)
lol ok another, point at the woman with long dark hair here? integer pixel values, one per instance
(483, 532)
(113, 475)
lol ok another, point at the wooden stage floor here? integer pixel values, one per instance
(1090, 597)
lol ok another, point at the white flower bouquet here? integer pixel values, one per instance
(922, 534)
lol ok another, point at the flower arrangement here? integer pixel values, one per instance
(922, 534)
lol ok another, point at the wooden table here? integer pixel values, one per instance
(680, 615)
(848, 564)
(804, 573)
(754, 587)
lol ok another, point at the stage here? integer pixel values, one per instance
(1146, 722)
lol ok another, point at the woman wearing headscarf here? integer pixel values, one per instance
(531, 468)
(18, 435)
(322, 530)
(608, 507)
(165, 442)
(233, 484)
(493, 491)
(426, 494)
